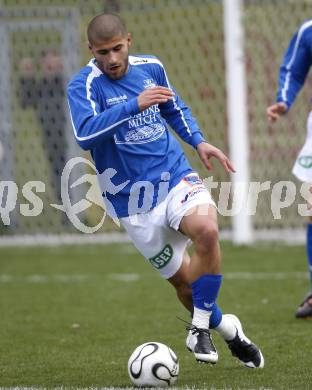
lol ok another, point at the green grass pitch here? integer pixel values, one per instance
(71, 316)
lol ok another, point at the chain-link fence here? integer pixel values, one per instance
(44, 44)
(269, 26)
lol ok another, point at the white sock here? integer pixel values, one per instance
(226, 329)
(201, 318)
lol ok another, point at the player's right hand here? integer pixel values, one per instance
(276, 110)
(155, 95)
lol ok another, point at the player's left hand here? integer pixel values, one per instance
(206, 151)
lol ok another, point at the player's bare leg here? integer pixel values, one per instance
(228, 326)
(202, 274)
(181, 284)
(201, 226)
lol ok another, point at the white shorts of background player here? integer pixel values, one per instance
(303, 165)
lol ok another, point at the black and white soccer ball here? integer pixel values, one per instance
(153, 365)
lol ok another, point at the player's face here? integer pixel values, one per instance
(112, 56)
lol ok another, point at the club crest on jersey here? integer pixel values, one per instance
(193, 180)
(149, 83)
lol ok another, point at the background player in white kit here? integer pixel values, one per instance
(120, 106)
(293, 72)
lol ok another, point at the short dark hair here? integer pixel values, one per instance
(105, 26)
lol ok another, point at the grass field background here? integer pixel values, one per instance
(119, 302)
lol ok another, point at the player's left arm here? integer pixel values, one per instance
(179, 116)
(175, 111)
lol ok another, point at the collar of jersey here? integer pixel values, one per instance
(93, 61)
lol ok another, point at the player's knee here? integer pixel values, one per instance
(208, 235)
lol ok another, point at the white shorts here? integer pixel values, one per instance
(155, 233)
(303, 165)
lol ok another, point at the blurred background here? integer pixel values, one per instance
(44, 43)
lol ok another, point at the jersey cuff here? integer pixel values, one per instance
(132, 106)
(197, 139)
(283, 101)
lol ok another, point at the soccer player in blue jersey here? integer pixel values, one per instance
(121, 106)
(293, 72)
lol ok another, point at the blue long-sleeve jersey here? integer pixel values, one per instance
(129, 146)
(296, 64)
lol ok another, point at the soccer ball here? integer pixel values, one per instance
(153, 364)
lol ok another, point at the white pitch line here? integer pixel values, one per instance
(125, 277)
(44, 279)
(265, 275)
(107, 388)
(134, 277)
(127, 388)
(52, 240)
(283, 237)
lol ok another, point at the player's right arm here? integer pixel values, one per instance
(91, 124)
(293, 71)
